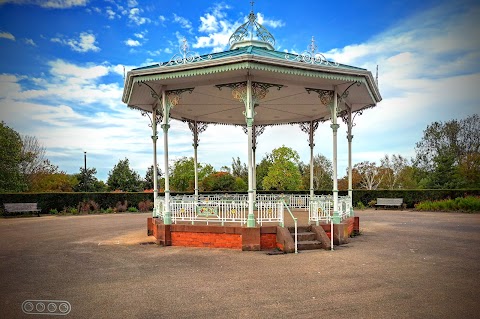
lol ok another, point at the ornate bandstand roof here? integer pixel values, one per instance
(286, 86)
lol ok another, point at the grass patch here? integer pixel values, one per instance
(469, 204)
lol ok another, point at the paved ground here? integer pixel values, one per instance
(404, 265)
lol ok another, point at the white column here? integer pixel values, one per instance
(195, 159)
(155, 172)
(165, 126)
(334, 126)
(249, 118)
(349, 138)
(312, 145)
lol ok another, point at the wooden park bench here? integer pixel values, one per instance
(22, 208)
(384, 202)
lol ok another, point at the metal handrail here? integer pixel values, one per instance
(295, 222)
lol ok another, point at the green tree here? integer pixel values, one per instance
(56, 182)
(442, 150)
(262, 170)
(182, 177)
(239, 169)
(87, 181)
(284, 173)
(322, 173)
(219, 181)
(121, 177)
(11, 177)
(148, 183)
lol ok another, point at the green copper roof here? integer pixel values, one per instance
(302, 59)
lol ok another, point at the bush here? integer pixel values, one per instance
(360, 206)
(145, 206)
(372, 203)
(88, 207)
(121, 206)
(132, 209)
(53, 211)
(465, 204)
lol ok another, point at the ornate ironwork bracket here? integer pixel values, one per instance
(158, 117)
(326, 96)
(173, 96)
(239, 90)
(257, 131)
(309, 128)
(196, 128)
(310, 56)
(185, 56)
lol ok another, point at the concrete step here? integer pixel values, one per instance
(305, 236)
(300, 229)
(309, 245)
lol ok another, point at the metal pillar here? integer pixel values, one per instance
(155, 171)
(249, 114)
(335, 126)
(196, 128)
(349, 138)
(310, 128)
(165, 126)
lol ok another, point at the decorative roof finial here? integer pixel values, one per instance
(310, 56)
(251, 32)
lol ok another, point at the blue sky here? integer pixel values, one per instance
(62, 62)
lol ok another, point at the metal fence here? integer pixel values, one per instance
(226, 208)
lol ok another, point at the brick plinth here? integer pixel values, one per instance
(211, 240)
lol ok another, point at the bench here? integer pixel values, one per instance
(22, 208)
(389, 202)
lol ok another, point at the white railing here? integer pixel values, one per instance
(270, 211)
(321, 209)
(222, 208)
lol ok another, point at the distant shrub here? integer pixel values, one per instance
(53, 211)
(121, 206)
(372, 203)
(145, 206)
(360, 205)
(109, 210)
(132, 209)
(464, 204)
(88, 207)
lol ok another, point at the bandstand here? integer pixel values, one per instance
(253, 86)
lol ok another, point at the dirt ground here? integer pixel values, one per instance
(404, 265)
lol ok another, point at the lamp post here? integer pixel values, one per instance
(85, 171)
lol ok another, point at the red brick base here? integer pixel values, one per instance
(234, 237)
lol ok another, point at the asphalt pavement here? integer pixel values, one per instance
(404, 264)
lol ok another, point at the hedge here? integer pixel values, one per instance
(59, 201)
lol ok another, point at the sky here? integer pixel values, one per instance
(63, 61)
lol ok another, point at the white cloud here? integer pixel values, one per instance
(85, 43)
(52, 4)
(132, 43)
(184, 23)
(7, 35)
(30, 42)
(134, 16)
(218, 29)
(268, 22)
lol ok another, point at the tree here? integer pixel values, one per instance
(11, 177)
(219, 181)
(284, 173)
(469, 170)
(87, 182)
(183, 174)
(322, 173)
(392, 169)
(239, 169)
(443, 149)
(262, 170)
(121, 177)
(56, 182)
(149, 177)
(371, 174)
